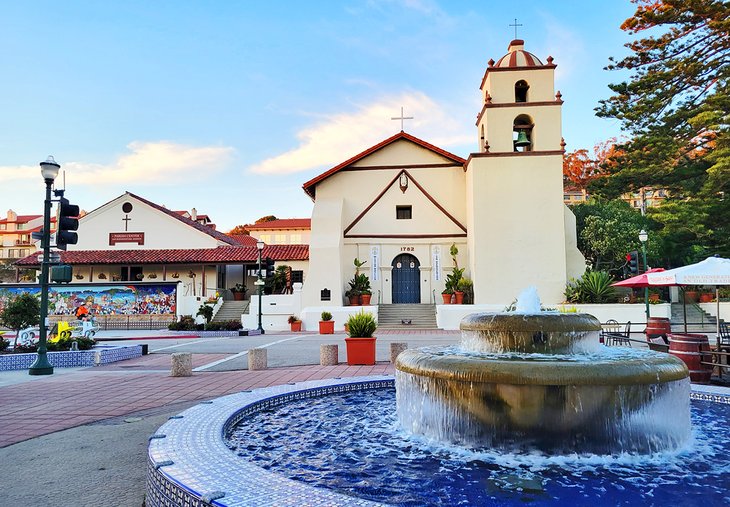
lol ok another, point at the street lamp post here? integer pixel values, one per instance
(41, 366)
(643, 237)
(260, 283)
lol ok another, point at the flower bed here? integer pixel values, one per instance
(71, 359)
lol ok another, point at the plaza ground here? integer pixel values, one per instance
(79, 437)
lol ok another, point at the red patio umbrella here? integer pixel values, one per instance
(639, 281)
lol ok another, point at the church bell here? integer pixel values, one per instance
(522, 140)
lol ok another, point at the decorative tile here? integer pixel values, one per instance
(69, 359)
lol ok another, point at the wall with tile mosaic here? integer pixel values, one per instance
(94, 357)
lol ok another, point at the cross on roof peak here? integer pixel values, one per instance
(401, 118)
(515, 24)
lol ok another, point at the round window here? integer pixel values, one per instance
(127, 207)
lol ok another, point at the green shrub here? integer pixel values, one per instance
(65, 343)
(231, 325)
(592, 287)
(186, 323)
(326, 316)
(4, 344)
(361, 325)
(206, 311)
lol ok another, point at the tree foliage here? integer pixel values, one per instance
(675, 106)
(239, 229)
(267, 218)
(580, 169)
(607, 231)
(21, 312)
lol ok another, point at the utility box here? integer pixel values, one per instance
(61, 274)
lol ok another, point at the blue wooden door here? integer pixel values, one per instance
(406, 279)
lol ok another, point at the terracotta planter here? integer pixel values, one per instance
(354, 300)
(296, 326)
(654, 297)
(326, 327)
(706, 297)
(691, 296)
(365, 299)
(238, 296)
(360, 350)
(447, 298)
(459, 298)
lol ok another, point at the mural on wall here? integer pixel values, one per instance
(134, 299)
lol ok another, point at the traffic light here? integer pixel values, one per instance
(632, 262)
(67, 222)
(270, 269)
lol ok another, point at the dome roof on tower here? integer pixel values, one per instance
(517, 57)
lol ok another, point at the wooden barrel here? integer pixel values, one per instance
(693, 349)
(658, 326)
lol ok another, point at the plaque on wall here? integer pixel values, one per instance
(126, 237)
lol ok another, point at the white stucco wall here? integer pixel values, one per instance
(160, 230)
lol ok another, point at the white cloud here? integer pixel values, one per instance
(158, 162)
(341, 136)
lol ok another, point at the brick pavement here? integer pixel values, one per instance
(55, 403)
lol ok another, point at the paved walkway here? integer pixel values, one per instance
(58, 402)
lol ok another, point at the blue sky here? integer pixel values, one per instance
(229, 106)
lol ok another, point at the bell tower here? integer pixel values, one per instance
(520, 232)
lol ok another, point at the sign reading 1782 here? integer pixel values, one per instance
(126, 237)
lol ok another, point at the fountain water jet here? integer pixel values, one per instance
(541, 380)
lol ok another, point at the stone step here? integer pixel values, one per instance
(395, 316)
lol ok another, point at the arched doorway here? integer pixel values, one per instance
(406, 276)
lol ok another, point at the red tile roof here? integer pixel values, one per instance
(221, 255)
(244, 239)
(202, 228)
(283, 223)
(309, 187)
(20, 219)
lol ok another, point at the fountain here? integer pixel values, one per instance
(529, 408)
(541, 380)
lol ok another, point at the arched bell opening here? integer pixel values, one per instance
(522, 133)
(521, 88)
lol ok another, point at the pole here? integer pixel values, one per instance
(41, 366)
(646, 289)
(260, 285)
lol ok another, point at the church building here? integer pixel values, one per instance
(401, 204)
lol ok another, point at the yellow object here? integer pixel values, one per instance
(63, 329)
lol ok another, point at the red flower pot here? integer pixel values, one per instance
(360, 350)
(447, 298)
(706, 297)
(365, 299)
(354, 300)
(238, 296)
(459, 298)
(296, 326)
(326, 327)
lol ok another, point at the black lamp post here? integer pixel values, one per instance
(260, 283)
(643, 237)
(41, 366)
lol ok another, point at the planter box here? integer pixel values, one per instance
(296, 326)
(360, 350)
(326, 327)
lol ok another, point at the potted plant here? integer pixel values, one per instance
(706, 296)
(239, 291)
(360, 343)
(354, 296)
(295, 323)
(447, 294)
(466, 286)
(326, 325)
(691, 294)
(365, 297)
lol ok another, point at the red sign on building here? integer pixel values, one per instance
(126, 237)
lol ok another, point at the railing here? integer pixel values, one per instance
(126, 322)
(433, 296)
(379, 302)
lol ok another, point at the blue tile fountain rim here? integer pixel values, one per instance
(189, 463)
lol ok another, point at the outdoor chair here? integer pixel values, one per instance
(618, 337)
(724, 337)
(611, 326)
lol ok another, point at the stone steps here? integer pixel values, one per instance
(231, 310)
(398, 316)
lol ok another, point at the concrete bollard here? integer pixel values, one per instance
(328, 355)
(395, 349)
(182, 364)
(257, 359)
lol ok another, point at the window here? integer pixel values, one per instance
(20, 227)
(297, 276)
(522, 133)
(521, 88)
(12, 254)
(403, 212)
(266, 238)
(295, 239)
(3, 227)
(280, 239)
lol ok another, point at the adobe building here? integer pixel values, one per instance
(401, 204)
